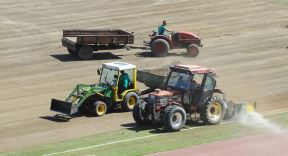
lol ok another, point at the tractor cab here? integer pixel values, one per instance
(111, 75)
(192, 84)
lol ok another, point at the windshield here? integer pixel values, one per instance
(180, 81)
(107, 76)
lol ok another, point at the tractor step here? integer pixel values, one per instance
(61, 106)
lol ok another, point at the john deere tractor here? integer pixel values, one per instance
(107, 94)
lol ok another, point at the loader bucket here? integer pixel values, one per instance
(61, 106)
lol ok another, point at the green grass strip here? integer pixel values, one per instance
(112, 142)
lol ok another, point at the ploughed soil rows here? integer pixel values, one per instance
(245, 41)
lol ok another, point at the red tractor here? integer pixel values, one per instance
(189, 93)
(161, 44)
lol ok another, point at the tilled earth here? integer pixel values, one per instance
(245, 41)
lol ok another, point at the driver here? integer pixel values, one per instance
(162, 30)
(123, 81)
(182, 82)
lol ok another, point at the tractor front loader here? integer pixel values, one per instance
(106, 95)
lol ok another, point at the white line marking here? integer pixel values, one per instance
(115, 142)
(139, 138)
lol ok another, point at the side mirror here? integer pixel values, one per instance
(98, 71)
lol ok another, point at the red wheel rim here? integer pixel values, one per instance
(160, 48)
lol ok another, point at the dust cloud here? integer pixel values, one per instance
(257, 120)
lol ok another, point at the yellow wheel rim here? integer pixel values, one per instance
(215, 110)
(132, 101)
(101, 109)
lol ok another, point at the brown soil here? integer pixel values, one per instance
(245, 41)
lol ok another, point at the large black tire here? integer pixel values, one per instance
(85, 52)
(130, 101)
(174, 118)
(99, 108)
(213, 111)
(160, 48)
(71, 52)
(140, 117)
(192, 50)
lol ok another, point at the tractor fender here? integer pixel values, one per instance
(94, 97)
(166, 38)
(178, 104)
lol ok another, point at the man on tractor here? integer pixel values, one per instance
(162, 29)
(123, 82)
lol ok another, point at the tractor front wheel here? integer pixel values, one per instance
(192, 50)
(213, 111)
(85, 52)
(130, 101)
(100, 108)
(140, 116)
(174, 118)
(160, 48)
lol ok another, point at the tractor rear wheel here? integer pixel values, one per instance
(213, 111)
(140, 117)
(160, 48)
(192, 50)
(174, 118)
(130, 101)
(85, 52)
(100, 108)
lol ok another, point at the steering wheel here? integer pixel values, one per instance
(109, 84)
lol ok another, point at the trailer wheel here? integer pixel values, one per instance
(139, 115)
(85, 52)
(192, 50)
(100, 108)
(213, 111)
(130, 101)
(71, 52)
(174, 118)
(160, 48)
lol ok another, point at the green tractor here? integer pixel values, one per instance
(108, 94)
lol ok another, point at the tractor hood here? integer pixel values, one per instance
(188, 38)
(187, 35)
(83, 89)
(98, 88)
(160, 93)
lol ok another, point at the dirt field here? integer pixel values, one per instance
(245, 41)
